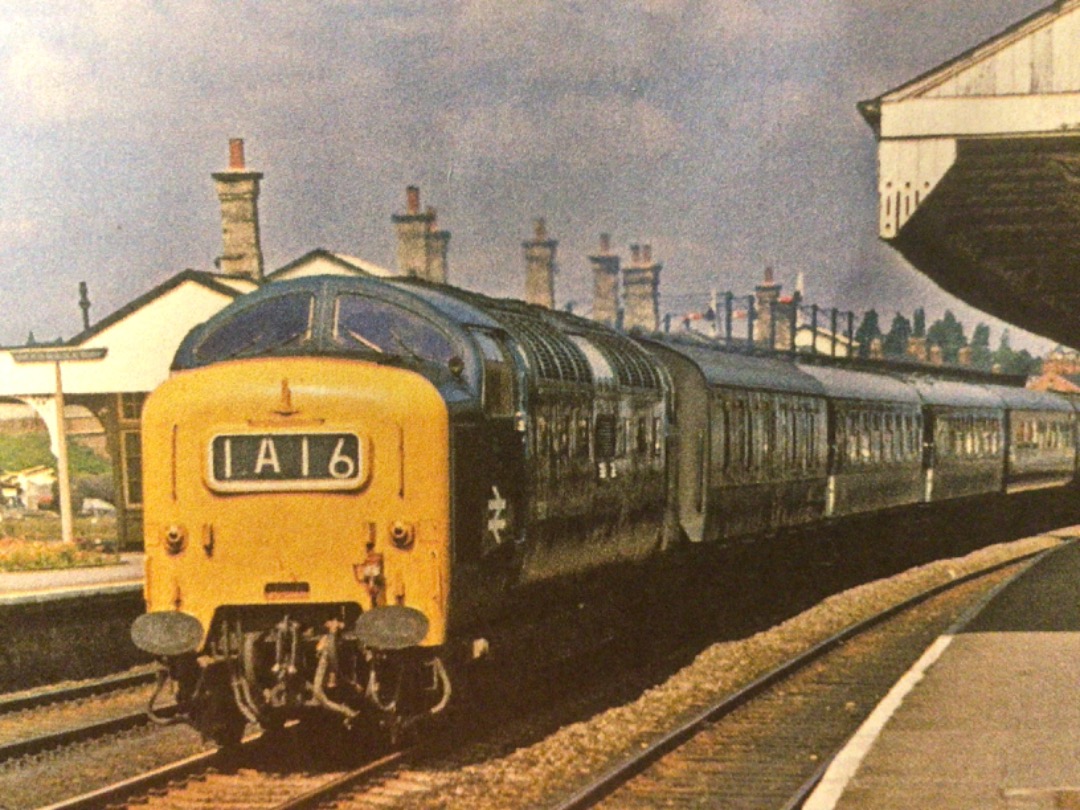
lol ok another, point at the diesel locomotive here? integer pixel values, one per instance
(347, 480)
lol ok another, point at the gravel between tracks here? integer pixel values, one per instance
(525, 777)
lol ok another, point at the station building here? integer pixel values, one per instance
(979, 172)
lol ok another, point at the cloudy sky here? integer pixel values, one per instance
(723, 132)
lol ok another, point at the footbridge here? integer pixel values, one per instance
(979, 173)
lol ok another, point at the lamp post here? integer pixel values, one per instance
(56, 356)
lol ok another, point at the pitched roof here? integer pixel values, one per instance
(211, 281)
(350, 264)
(871, 108)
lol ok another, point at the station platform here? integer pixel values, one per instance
(988, 719)
(37, 586)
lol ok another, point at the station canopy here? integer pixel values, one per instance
(979, 173)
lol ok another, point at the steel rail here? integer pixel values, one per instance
(633, 764)
(145, 782)
(190, 766)
(33, 699)
(320, 794)
(88, 731)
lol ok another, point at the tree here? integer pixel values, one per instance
(868, 331)
(919, 326)
(896, 342)
(1009, 361)
(981, 356)
(948, 333)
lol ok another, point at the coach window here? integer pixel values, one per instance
(562, 449)
(796, 436)
(847, 445)
(581, 439)
(498, 376)
(605, 433)
(750, 437)
(541, 437)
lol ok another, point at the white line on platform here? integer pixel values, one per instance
(847, 762)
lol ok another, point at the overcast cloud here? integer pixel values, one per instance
(723, 132)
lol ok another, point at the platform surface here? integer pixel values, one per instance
(989, 719)
(23, 586)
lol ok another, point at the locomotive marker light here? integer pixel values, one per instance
(56, 357)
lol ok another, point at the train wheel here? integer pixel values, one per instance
(215, 713)
(227, 727)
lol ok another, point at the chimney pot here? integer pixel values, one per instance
(635, 254)
(412, 199)
(238, 193)
(431, 218)
(605, 243)
(768, 275)
(646, 254)
(541, 230)
(236, 154)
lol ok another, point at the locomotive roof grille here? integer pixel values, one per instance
(548, 337)
(632, 367)
(556, 357)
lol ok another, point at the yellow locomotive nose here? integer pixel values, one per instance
(275, 482)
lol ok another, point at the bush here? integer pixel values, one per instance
(17, 554)
(19, 451)
(98, 486)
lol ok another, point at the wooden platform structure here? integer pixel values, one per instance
(979, 173)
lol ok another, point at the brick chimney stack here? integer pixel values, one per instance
(767, 294)
(422, 249)
(605, 265)
(540, 267)
(238, 191)
(438, 247)
(641, 290)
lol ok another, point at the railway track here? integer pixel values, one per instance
(44, 719)
(35, 698)
(255, 776)
(230, 779)
(768, 745)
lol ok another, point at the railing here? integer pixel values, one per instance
(743, 321)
